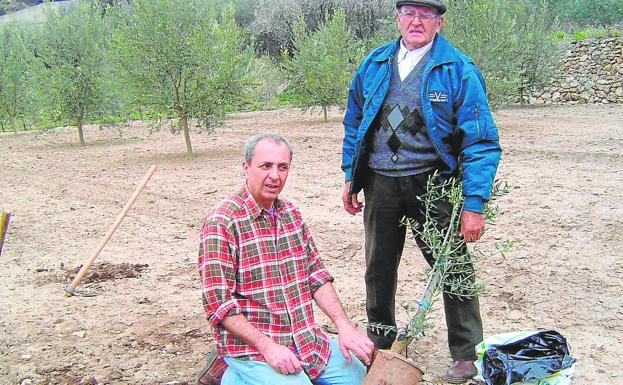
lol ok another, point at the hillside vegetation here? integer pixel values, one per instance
(195, 61)
(8, 6)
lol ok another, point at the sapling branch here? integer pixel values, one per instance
(452, 272)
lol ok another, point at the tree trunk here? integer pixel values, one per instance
(183, 123)
(140, 112)
(24, 125)
(80, 133)
(324, 110)
(2, 124)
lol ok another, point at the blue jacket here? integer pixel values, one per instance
(454, 108)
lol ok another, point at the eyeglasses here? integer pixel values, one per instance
(424, 16)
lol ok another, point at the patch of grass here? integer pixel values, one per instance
(588, 33)
(286, 98)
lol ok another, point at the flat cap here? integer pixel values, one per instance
(438, 4)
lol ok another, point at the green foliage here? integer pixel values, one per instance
(453, 270)
(386, 31)
(188, 59)
(273, 25)
(323, 63)
(559, 36)
(8, 6)
(70, 47)
(182, 60)
(273, 21)
(539, 54)
(588, 12)
(371, 21)
(268, 82)
(485, 30)
(244, 10)
(590, 33)
(15, 86)
(580, 35)
(508, 40)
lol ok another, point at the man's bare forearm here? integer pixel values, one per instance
(350, 339)
(244, 330)
(326, 298)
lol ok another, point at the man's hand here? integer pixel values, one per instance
(472, 226)
(352, 340)
(350, 201)
(280, 358)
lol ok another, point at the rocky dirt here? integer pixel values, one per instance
(145, 324)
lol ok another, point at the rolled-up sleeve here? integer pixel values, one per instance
(318, 275)
(217, 266)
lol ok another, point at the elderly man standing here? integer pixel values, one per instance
(260, 271)
(417, 106)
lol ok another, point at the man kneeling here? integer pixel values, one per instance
(259, 272)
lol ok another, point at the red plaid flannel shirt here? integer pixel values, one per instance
(267, 270)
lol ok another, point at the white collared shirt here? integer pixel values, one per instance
(407, 60)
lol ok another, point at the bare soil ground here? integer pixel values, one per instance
(146, 323)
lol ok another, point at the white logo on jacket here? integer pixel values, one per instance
(438, 96)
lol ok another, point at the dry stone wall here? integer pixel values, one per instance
(592, 72)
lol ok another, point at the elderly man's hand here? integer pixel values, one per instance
(352, 340)
(472, 226)
(350, 201)
(280, 358)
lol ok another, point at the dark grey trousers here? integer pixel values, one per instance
(387, 200)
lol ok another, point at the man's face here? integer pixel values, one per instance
(416, 33)
(267, 172)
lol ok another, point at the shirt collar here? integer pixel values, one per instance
(254, 208)
(418, 52)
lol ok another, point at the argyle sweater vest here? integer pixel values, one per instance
(399, 144)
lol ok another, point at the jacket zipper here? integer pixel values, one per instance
(477, 122)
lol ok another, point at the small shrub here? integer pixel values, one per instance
(323, 63)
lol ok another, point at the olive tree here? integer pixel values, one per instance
(273, 25)
(184, 59)
(508, 41)
(71, 47)
(274, 20)
(589, 12)
(484, 30)
(315, 12)
(539, 55)
(323, 63)
(370, 20)
(15, 62)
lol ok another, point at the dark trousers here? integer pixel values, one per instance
(387, 200)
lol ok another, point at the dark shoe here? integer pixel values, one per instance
(460, 372)
(213, 370)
